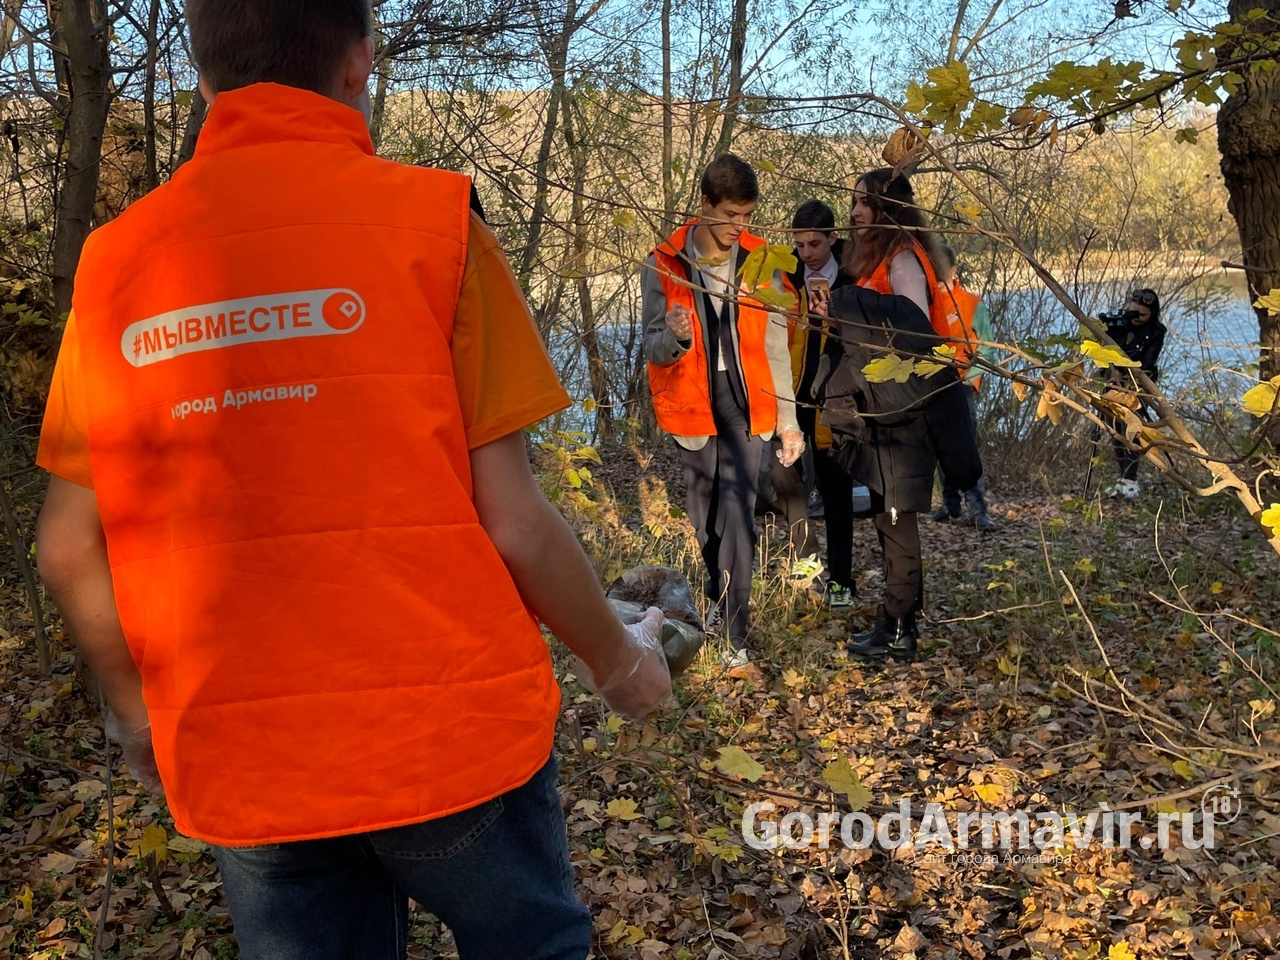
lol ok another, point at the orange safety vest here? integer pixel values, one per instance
(879, 282)
(961, 306)
(329, 641)
(682, 390)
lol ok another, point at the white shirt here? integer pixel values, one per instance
(828, 272)
(715, 277)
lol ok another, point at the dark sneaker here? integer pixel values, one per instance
(840, 596)
(941, 515)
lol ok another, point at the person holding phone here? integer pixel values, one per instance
(720, 380)
(818, 252)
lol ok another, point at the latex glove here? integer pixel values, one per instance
(792, 447)
(638, 680)
(138, 754)
(679, 322)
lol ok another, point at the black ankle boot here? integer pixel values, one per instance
(876, 628)
(891, 637)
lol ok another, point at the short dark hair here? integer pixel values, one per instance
(299, 43)
(814, 215)
(948, 254)
(729, 177)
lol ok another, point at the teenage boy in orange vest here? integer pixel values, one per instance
(970, 333)
(293, 528)
(720, 375)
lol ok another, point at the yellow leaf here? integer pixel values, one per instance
(842, 778)
(1216, 587)
(613, 724)
(763, 262)
(793, 678)
(1085, 565)
(1271, 519)
(574, 479)
(991, 793)
(768, 166)
(1270, 303)
(154, 841)
(945, 351)
(736, 762)
(892, 367)
(1120, 951)
(927, 368)
(970, 211)
(624, 218)
(1006, 666)
(1262, 708)
(783, 300)
(624, 808)
(589, 406)
(1106, 356)
(1184, 770)
(505, 112)
(24, 898)
(1020, 390)
(1261, 400)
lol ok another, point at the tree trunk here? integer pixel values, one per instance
(668, 131)
(597, 373)
(556, 49)
(1249, 142)
(379, 107)
(191, 132)
(85, 27)
(149, 95)
(8, 24)
(737, 51)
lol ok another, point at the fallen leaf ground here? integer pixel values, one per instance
(1015, 706)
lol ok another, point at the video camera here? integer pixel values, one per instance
(1118, 317)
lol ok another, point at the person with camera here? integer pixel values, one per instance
(1138, 331)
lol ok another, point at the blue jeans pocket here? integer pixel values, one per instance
(438, 839)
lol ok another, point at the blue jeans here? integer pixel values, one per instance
(498, 875)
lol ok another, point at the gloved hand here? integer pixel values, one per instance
(679, 322)
(637, 679)
(138, 754)
(792, 447)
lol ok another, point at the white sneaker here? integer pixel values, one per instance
(805, 570)
(733, 659)
(1129, 489)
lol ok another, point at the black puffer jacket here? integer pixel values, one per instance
(891, 436)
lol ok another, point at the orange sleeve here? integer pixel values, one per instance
(505, 378)
(64, 437)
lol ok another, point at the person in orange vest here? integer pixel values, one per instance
(720, 377)
(970, 333)
(293, 528)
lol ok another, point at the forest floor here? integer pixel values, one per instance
(1086, 653)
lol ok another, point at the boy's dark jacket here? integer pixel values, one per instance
(892, 435)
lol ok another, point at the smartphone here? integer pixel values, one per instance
(819, 290)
